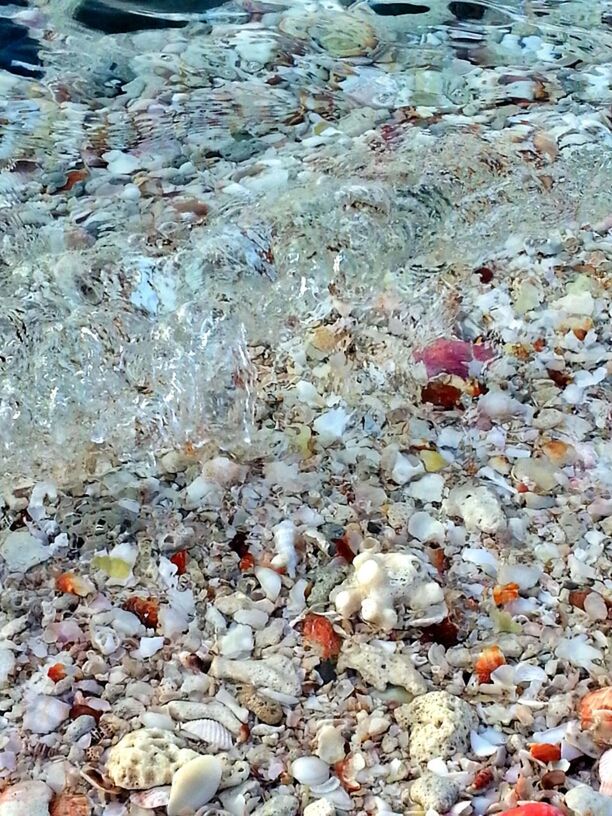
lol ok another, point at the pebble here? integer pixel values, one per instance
(21, 551)
(26, 799)
(434, 792)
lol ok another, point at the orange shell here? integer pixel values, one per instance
(488, 660)
(56, 672)
(70, 583)
(145, 609)
(505, 593)
(319, 632)
(545, 752)
(596, 715)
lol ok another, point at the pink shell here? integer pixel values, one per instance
(452, 356)
(605, 773)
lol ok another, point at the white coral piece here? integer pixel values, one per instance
(439, 725)
(380, 668)
(479, 508)
(382, 581)
(147, 758)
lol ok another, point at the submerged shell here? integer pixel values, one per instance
(348, 36)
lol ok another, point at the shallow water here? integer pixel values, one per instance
(177, 194)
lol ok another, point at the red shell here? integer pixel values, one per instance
(319, 632)
(56, 672)
(545, 752)
(533, 809)
(179, 559)
(145, 609)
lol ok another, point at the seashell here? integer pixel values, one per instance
(346, 37)
(98, 780)
(605, 773)
(596, 715)
(489, 659)
(425, 528)
(183, 711)
(45, 714)
(545, 752)
(285, 537)
(151, 799)
(270, 582)
(310, 770)
(330, 744)
(194, 784)
(534, 809)
(266, 710)
(70, 804)
(209, 731)
(584, 801)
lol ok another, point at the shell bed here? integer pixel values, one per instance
(306, 471)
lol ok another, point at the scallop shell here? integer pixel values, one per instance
(151, 799)
(596, 715)
(345, 36)
(209, 731)
(310, 770)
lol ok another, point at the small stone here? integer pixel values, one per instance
(26, 799)
(435, 792)
(322, 807)
(595, 607)
(45, 714)
(194, 784)
(330, 745)
(22, 551)
(584, 801)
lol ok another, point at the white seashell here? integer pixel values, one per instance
(104, 639)
(310, 770)
(194, 785)
(209, 731)
(331, 425)
(285, 537)
(270, 582)
(228, 700)
(605, 773)
(45, 714)
(551, 735)
(426, 528)
(155, 719)
(504, 676)
(255, 618)
(528, 673)
(340, 799)
(238, 642)
(325, 788)
(499, 405)
(482, 558)
(481, 746)
(406, 468)
(525, 576)
(330, 744)
(7, 665)
(578, 652)
(428, 488)
(151, 799)
(150, 646)
(26, 799)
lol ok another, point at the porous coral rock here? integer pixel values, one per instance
(382, 581)
(434, 792)
(147, 758)
(439, 724)
(479, 508)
